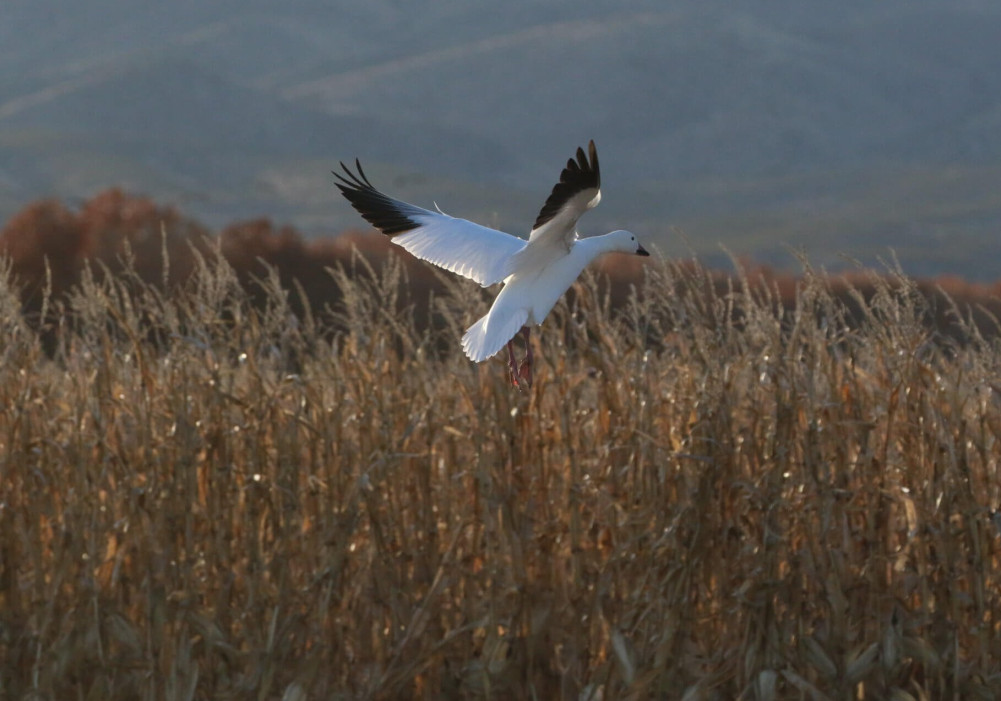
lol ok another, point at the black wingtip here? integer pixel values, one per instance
(351, 181)
(382, 212)
(579, 175)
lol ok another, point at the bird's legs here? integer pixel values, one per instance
(513, 363)
(525, 369)
(523, 372)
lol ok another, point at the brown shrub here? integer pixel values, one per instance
(121, 227)
(114, 227)
(42, 239)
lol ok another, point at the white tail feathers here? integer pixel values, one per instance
(487, 336)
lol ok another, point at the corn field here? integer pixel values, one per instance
(705, 495)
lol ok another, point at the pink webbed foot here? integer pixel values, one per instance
(521, 374)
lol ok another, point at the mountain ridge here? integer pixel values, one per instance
(212, 103)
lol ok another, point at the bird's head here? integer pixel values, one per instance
(625, 242)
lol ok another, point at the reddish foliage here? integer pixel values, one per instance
(118, 226)
(251, 247)
(115, 227)
(45, 235)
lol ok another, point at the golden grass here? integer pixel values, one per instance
(703, 497)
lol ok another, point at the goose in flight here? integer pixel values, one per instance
(535, 272)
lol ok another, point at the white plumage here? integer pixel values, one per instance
(462, 247)
(535, 272)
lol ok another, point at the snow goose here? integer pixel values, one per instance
(535, 272)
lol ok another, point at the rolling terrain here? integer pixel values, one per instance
(843, 130)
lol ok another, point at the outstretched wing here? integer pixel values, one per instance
(457, 245)
(578, 190)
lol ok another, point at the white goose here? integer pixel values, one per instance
(535, 272)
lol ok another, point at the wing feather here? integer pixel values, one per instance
(578, 190)
(457, 245)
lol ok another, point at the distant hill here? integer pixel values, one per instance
(838, 128)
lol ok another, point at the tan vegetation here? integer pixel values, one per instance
(716, 489)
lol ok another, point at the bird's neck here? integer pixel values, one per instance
(594, 246)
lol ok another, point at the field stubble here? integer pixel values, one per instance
(704, 496)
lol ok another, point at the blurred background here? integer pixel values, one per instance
(843, 130)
